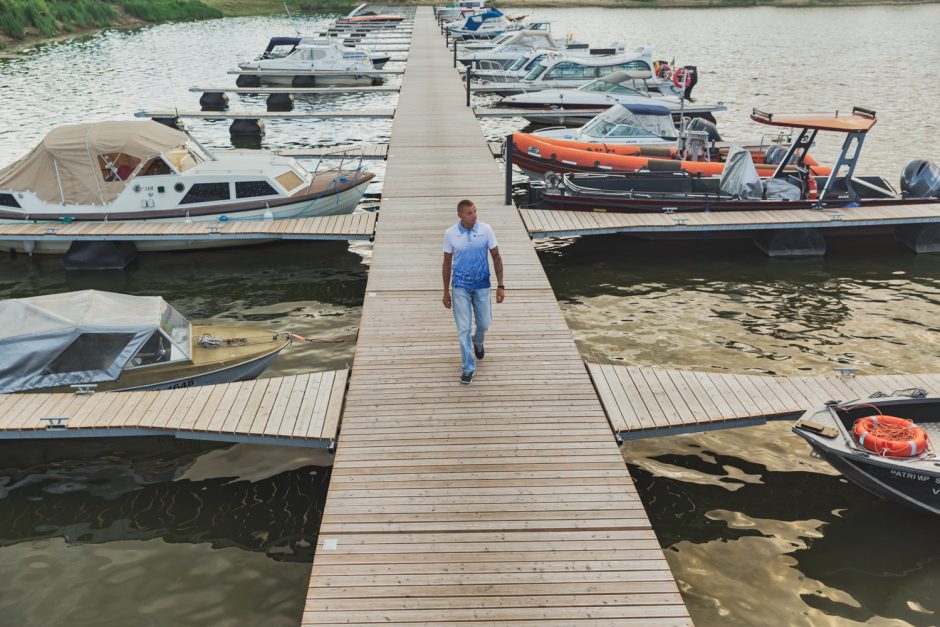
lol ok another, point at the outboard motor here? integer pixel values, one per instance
(691, 80)
(703, 125)
(920, 179)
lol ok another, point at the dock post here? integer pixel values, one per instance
(455, 53)
(469, 72)
(507, 159)
(447, 39)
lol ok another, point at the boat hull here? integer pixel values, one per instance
(244, 371)
(335, 204)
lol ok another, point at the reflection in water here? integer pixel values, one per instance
(724, 306)
(143, 524)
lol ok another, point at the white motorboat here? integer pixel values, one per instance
(616, 88)
(576, 71)
(628, 123)
(131, 171)
(280, 47)
(341, 66)
(359, 17)
(514, 71)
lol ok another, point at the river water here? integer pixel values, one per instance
(160, 532)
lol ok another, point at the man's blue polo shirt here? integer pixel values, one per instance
(470, 268)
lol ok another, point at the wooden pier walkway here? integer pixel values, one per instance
(650, 402)
(553, 223)
(352, 226)
(299, 410)
(505, 500)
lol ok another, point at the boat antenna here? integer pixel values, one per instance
(208, 152)
(291, 18)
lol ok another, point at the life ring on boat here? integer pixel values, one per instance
(890, 436)
(679, 77)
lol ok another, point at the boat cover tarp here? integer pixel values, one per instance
(475, 21)
(101, 331)
(68, 157)
(739, 177)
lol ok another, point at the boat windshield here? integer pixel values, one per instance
(518, 63)
(611, 88)
(535, 72)
(644, 121)
(185, 156)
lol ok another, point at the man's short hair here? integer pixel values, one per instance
(463, 204)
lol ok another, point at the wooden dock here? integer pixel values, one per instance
(351, 226)
(296, 90)
(299, 410)
(554, 223)
(375, 114)
(651, 402)
(505, 500)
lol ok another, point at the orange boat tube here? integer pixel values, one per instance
(563, 155)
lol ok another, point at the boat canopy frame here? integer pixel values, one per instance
(856, 125)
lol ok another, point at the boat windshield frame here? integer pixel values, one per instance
(612, 88)
(620, 117)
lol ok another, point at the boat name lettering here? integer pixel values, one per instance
(902, 474)
(188, 383)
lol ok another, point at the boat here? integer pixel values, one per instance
(144, 171)
(514, 67)
(360, 17)
(625, 124)
(786, 178)
(612, 88)
(116, 342)
(459, 9)
(332, 64)
(485, 25)
(280, 47)
(576, 71)
(903, 467)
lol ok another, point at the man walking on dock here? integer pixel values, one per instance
(465, 260)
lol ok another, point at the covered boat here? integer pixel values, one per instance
(146, 171)
(884, 445)
(360, 17)
(280, 47)
(121, 342)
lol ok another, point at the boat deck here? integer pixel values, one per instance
(299, 410)
(352, 226)
(505, 500)
(651, 402)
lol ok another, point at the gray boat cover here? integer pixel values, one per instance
(81, 337)
(740, 178)
(65, 168)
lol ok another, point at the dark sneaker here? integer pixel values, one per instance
(466, 378)
(479, 352)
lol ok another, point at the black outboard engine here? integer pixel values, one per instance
(701, 124)
(920, 179)
(691, 80)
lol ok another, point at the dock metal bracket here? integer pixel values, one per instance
(55, 422)
(84, 389)
(846, 371)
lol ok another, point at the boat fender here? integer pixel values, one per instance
(890, 436)
(811, 186)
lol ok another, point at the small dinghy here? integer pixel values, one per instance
(885, 445)
(117, 342)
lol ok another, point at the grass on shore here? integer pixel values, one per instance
(20, 19)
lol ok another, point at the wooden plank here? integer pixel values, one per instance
(334, 407)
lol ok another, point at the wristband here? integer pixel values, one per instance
(500, 287)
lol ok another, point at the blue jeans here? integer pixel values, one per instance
(467, 305)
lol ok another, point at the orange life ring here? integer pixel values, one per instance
(890, 436)
(680, 77)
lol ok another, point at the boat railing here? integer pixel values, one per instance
(349, 160)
